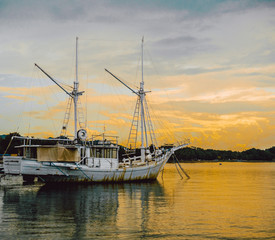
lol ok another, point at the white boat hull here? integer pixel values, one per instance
(72, 172)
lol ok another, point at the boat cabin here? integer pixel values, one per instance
(103, 152)
(98, 153)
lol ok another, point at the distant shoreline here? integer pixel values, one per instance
(221, 161)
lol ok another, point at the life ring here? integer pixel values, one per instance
(82, 134)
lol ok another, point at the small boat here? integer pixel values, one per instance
(95, 158)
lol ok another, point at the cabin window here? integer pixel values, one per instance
(98, 153)
(82, 154)
(31, 152)
(104, 153)
(110, 153)
(92, 152)
(114, 153)
(107, 153)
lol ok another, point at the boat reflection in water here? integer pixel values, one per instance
(80, 211)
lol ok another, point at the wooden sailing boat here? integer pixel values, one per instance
(94, 159)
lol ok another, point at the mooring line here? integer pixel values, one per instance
(177, 161)
(177, 167)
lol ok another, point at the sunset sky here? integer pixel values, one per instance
(209, 64)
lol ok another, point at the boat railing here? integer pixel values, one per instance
(180, 146)
(130, 159)
(185, 141)
(103, 139)
(29, 141)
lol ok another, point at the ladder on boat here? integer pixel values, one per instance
(66, 117)
(132, 139)
(80, 113)
(150, 126)
(68, 114)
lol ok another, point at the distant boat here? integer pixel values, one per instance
(93, 159)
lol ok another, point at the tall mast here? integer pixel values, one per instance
(142, 41)
(75, 93)
(142, 94)
(142, 110)
(75, 90)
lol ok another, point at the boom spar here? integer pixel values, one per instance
(54, 80)
(121, 82)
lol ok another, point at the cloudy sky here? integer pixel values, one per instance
(209, 64)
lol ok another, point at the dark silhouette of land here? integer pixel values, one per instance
(198, 154)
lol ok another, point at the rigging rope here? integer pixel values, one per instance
(177, 161)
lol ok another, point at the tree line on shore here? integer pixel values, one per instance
(253, 154)
(185, 154)
(6, 145)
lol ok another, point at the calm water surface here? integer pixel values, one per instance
(228, 201)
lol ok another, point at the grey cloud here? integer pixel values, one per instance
(177, 41)
(11, 80)
(194, 71)
(255, 57)
(248, 74)
(31, 9)
(184, 46)
(175, 35)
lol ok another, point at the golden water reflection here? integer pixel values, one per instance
(232, 200)
(228, 201)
